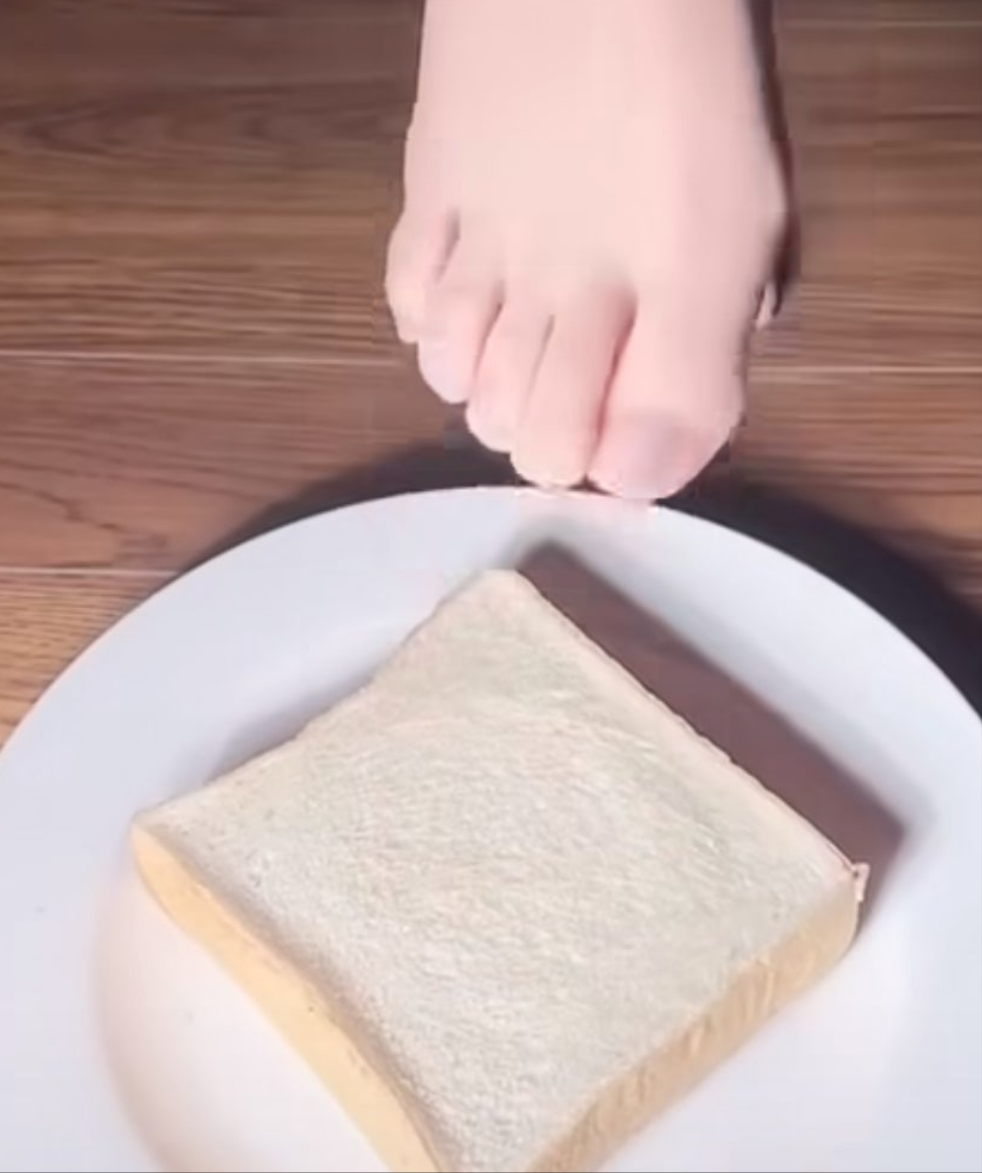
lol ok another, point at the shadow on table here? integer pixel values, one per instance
(945, 629)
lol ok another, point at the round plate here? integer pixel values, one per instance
(123, 1047)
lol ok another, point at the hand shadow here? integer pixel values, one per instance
(947, 630)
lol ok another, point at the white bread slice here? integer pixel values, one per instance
(505, 902)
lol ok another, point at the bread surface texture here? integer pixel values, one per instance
(506, 903)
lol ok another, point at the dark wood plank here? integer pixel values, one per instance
(214, 294)
(181, 176)
(45, 622)
(192, 176)
(150, 464)
(886, 132)
(897, 454)
(880, 12)
(191, 45)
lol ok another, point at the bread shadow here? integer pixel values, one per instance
(718, 707)
(904, 593)
(725, 712)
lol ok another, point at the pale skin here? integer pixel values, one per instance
(593, 207)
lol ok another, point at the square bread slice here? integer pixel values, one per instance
(505, 902)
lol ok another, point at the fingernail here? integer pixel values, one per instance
(549, 470)
(434, 368)
(645, 458)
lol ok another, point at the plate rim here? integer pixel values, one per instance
(208, 565)
(683, 522)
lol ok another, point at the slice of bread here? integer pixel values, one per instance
(506, 903)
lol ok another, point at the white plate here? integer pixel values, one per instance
(122, 1046)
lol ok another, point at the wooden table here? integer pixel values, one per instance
(194, 200)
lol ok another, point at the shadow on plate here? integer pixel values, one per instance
(722, 710)
(910, 597)
(725, 712)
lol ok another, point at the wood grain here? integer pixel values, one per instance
(185, 177)
(194, 205)
(115, 463)
(136, 464)
(807, 13)
(47, 620)
(886, 133)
